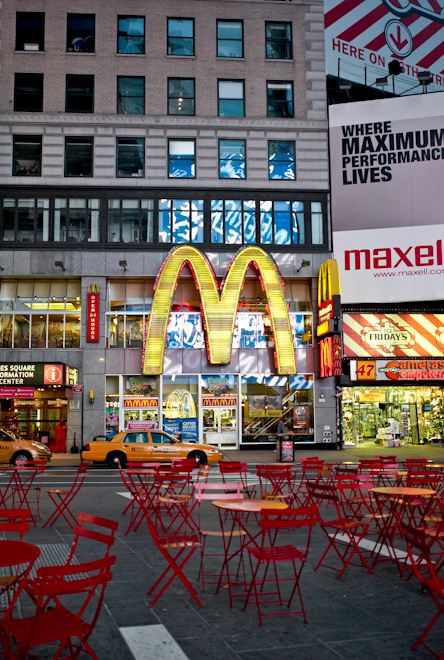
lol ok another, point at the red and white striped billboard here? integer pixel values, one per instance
(363, 36)
(393, 335)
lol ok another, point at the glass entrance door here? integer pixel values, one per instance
(220, 427)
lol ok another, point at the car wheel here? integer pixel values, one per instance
(199, 456)
(21, 456)
(113, 458)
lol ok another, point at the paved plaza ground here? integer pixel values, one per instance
(370, 617)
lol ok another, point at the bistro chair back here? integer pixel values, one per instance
(63, 498)
(184, 462)
(67, 621)
(239, 472)
(14, 520)
(275, 482)
(265, 589)
(28, 485)
(417, 541)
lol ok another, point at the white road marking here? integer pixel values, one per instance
(370, 545)
(149, 642)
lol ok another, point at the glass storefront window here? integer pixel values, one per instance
(134, 331)
(72, 331)
(21, 331)
(6, 325)
(180, 396)
(266, 399)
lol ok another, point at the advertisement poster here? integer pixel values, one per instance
(362, 38)
(145, 425)
(256, 405)
(273, 406)
(219, 385)
(301, 417)
(287, 451)
(139, 385)
(172, 426)
(387, 169)
(189, 430)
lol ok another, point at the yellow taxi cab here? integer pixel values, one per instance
(13, 449)
(144, 446)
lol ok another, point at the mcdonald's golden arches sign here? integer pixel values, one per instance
(219, 303)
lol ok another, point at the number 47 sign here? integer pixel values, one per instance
(366, 370)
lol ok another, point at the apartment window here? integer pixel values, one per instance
(280, 99)
(80, 33)
(278, 41)
(231, 98)
(232, 159)
(28, 92)
(26, 220)
(180, 36)
(181, 96)
(181, 221)
(30, 31)
(281, 160)
(282, 222)
(27, 155)
(130, 220)
(233, 221)
(230, 39)
(130, 95)
(182, 159)
(78, 156)
(77, 220)
(317, 223)
(131, 35)
(79, 93)
(130, 157)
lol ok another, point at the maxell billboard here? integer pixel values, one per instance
(387, 179)
(362, 38)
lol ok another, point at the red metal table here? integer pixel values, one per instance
(20, 557)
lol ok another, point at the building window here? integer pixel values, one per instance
(79, 156)
(317, 224)
(230, 39)
(80, 33)
(130, 157)
(281, 160)
(28, 92)
(282, 223)
(279, 99)
(77, 220)
(181, 221)
(130, 220)
(182, 159)
(42, 314)
(131, 35)
(231, 98)
(30, 31)
(232, 159)
(181, 96)
(278, 41)
(26, 220)
(79, 93)
(27, 156)
(233, 221)
(130, 95)
(180, 36)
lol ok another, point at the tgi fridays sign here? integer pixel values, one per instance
(92, 321)
(398, 371)
(393, 335)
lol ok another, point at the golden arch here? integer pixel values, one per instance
(328, 284)
(219, 309)
(176, 404)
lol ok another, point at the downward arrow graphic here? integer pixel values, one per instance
(397, 40)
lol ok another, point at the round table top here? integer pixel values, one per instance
(403, 490)
(248, 506)
(17, 552)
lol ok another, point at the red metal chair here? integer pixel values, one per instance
(310, 467)
(205, 492)
(342, 531)
(14, 520)
(431, 583)
(177, 551)
(30, 484)
(63, 498)
(275, 482)
(60, 623)
(270, 552)
(238, 471)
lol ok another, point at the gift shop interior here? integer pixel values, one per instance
(393, 416)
